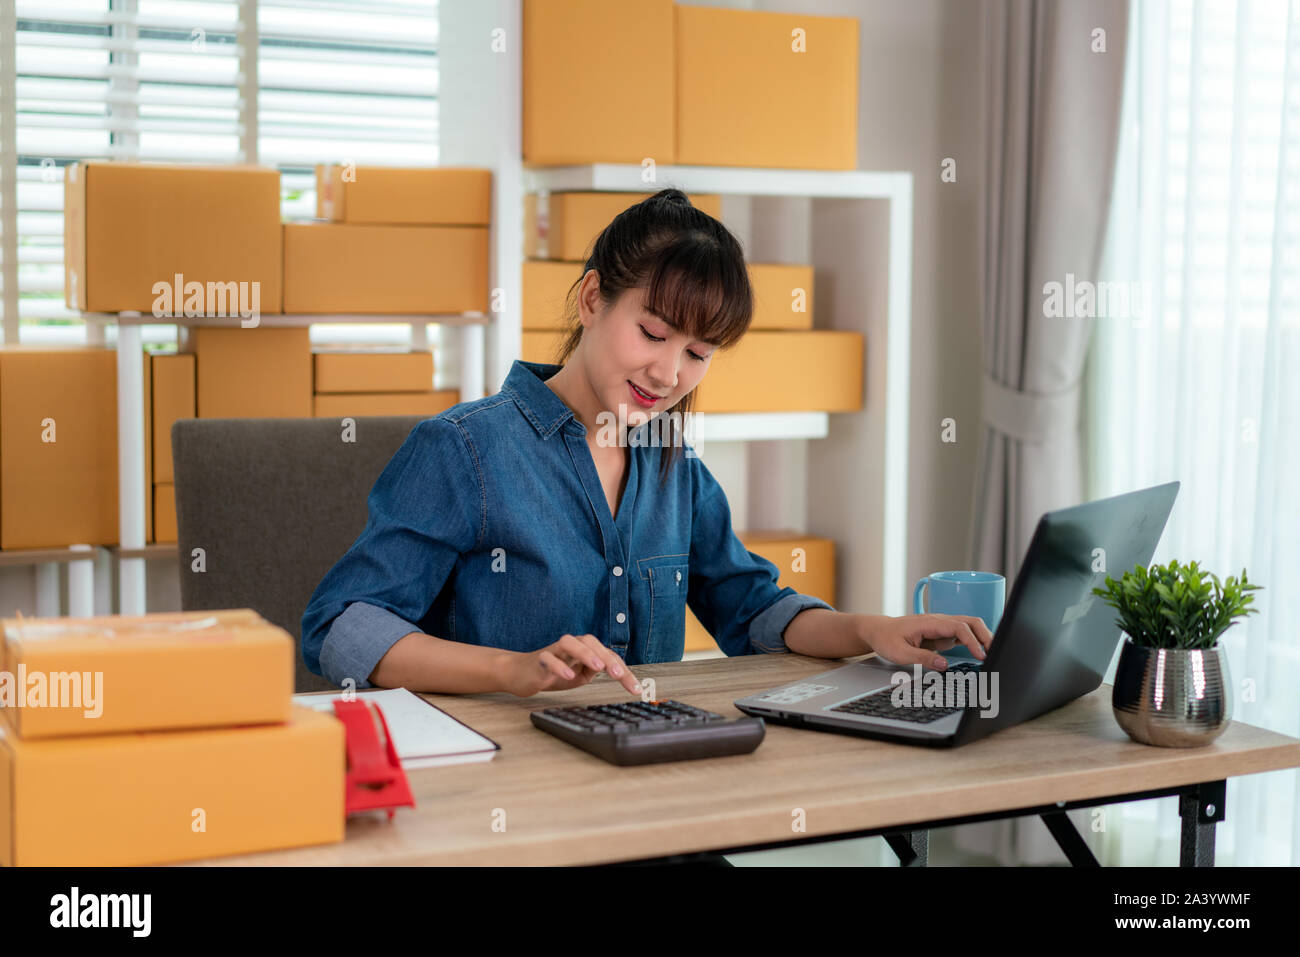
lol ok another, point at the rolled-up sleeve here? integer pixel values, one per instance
(426, 509)
(733, 592)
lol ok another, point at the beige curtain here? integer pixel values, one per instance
(1054, 73)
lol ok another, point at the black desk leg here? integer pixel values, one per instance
(912, 847)
(1070, 840)
(1201, 809)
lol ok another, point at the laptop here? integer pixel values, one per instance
(1053, 644)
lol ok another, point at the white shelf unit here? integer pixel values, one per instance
(857, 481)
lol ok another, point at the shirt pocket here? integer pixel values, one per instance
(669, 580)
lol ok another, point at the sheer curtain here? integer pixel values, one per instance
(1194, 377)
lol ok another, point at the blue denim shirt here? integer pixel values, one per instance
(490, 526)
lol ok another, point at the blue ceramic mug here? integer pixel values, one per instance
(963, 593)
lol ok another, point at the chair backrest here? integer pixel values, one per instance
(273, 504)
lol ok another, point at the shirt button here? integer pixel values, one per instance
(621, 618)
(618, 570)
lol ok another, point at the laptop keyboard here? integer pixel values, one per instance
(879, 704)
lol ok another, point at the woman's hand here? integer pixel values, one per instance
(568, 663)
(913, 639)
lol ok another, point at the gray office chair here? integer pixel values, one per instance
(273, 503)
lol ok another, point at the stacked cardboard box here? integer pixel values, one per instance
(733, 87)
(805, 563)
(397, 240)
(250, 373)
(58, 447)
(202, 239)
(377, 383)
(559, 231)
(159, 738)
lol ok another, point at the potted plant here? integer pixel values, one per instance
(1171, 685)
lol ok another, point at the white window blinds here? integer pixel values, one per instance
(285, 83)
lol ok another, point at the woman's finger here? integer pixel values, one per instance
(582, 652)
(553, 665)
(949, 626)
(617, 668)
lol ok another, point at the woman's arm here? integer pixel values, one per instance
(422, 662)
(905, 640)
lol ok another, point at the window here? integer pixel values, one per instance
(1206, 217)
(285, 83)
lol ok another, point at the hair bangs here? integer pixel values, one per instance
(692, 289)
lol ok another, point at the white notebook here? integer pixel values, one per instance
(424, 735)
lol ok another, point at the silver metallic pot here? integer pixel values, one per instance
(1172, 697)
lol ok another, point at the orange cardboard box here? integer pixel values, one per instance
(428, 196)
(783, 296)
(769, 371)
(805, 563)
(165, 796)
(164, 512)
(58, 447)
(565, 225)
(128, 226)
(110, 674)
(373, 371)
(173, 398)
(345, 268)
(540, 346)
(337, 405)
(582, 104)
(546, 283)
(755, 88)
(251, 373)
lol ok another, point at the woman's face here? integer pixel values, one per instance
(627, 345)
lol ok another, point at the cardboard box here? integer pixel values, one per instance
(746, 96)
(545, 287)
(805, 563)
(540, 346)
(164, 512)
(128, 226)
(173, 398)
(251, 373)
(58, 447)
(384, 403)
(344, 268)
(783, 296)
(566, 225)
(147, 672)
(166, 796)
(598, 82)
(373, 371)
(430, 196)
(768, 371)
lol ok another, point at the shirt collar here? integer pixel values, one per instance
(526, 384)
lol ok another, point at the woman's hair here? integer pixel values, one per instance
(694, 274)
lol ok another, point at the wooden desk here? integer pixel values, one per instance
(564, 806)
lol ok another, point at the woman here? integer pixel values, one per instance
(523, 542)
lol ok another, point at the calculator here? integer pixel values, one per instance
(645, 732)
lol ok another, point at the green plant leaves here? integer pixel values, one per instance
(1177, 606)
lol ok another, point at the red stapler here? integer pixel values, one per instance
(375, 779)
